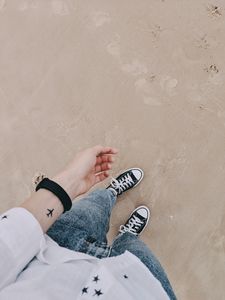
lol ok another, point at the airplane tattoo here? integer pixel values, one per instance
(50, 211)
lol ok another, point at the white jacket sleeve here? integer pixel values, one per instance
(20, 240)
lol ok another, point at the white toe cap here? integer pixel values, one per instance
(144, 212)
(138, 173)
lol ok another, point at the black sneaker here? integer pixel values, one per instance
(125, 181)
(137, 221)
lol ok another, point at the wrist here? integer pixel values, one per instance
(44, 206)
(68, 183)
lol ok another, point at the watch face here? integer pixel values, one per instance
(37, 178)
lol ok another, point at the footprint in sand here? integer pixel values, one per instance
(215, 75)
(169, 84)
(214, 10)
(100, 18)
(135, 68)
(144, 88)
(212, 69)
(2, 4)
(60, 7)
(26, 5)
(156, 32)
(113, 48)
(203, 42)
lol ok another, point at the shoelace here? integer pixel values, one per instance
(132, 226)
(123, 183)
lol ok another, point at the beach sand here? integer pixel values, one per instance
(144, 76)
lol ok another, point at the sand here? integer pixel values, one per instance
(144, 76)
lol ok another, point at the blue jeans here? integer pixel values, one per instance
(84, 229)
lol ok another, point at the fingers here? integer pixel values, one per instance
(104, 159)
(101, 176)
(103, 167)
(99, 150)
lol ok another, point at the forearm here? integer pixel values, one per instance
(86, 169)
(45, 206)
(18, 227)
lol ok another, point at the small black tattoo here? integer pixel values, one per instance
(85, 290)
(50, 211)
(96, 279)
(4, 217)
(98, 292)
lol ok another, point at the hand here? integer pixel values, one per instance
(88, 167)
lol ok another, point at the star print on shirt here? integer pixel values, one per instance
(96, 279)
(4, 217)
(125, 276)
(85, 290)
(98, 292)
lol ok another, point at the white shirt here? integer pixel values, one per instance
(33, 266)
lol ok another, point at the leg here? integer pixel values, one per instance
(130, 242)
(88, 219)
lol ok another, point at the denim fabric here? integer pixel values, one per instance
(84, 229)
